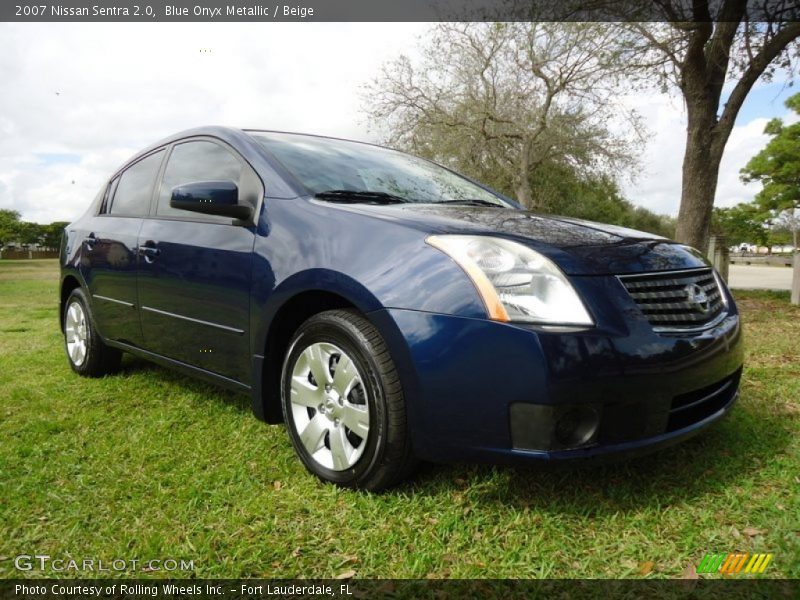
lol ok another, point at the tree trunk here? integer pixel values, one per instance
(524, 195)
(701, 162)
(523, 183)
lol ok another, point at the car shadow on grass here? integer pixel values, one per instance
(716, 459)
(204, 391)
(722, 457)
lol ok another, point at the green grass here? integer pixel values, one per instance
(151, 464)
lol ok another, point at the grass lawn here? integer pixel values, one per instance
(150, 464)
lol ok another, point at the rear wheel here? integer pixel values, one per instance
(87, 354)
(343, 404)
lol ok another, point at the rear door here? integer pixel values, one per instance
(195, 270)
(109, 250)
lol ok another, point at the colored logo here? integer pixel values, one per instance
(734, 563)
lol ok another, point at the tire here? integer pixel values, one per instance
(351, 431)
(87, 354)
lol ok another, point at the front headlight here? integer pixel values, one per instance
(515, 282)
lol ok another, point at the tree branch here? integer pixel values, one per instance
(663, 47)
(718, 50)
(761, 61)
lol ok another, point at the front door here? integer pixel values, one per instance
(195, 270)
(109, 250)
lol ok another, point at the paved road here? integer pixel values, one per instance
(759, 277)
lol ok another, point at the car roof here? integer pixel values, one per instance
(227, 133)
(235, 136)
(317, 135)
(245, 144)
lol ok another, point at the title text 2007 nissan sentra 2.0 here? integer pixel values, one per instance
(388, 309)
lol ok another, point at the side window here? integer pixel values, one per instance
(135, 185)
(196, 161)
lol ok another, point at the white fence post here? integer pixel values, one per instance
(796, 279)
(719, 255)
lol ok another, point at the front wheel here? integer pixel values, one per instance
(343, 404)
(87, 354)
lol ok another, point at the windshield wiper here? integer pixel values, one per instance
(471, 202)
(359, 196)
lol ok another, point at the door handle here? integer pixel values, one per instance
(149, 251)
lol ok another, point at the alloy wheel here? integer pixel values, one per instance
(329, 406)
(77, 336)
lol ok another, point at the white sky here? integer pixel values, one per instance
(78, 99)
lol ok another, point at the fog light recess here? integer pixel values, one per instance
(543, 427)
(577, 426)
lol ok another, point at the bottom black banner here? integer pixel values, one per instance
(435, 589)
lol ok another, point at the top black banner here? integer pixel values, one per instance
(398, 10)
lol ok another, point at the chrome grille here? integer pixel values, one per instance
(678, 299)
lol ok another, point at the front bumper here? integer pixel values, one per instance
(481, 390)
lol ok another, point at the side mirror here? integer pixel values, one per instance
(210, 198)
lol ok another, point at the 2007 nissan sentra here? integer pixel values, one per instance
(388, 309)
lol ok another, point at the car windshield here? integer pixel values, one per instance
(331, 168)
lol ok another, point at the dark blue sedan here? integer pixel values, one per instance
(389, 310)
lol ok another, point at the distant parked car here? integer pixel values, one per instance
(388, 309)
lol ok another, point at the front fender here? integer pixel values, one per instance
(310, 280)
(311, 245)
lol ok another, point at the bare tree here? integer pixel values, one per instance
(499, 100)
(713, 54)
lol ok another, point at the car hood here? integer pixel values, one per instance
(578, 247)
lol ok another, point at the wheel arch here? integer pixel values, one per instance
(69, 283)
(286, 319)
